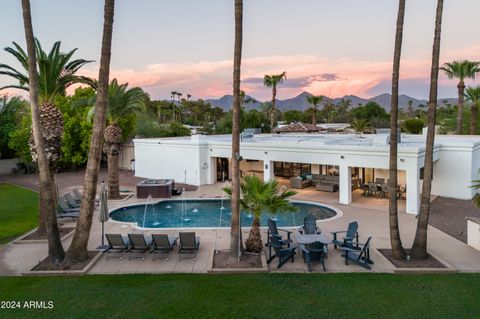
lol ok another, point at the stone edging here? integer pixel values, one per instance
(212, 270)
(64, 272)
(449, 269)
(20, 240)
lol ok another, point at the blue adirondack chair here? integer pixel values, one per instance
(282, 251)
(358, 256)
(350, 239)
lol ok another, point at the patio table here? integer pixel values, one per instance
(313, 238)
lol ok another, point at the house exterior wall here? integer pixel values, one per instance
(454, 172)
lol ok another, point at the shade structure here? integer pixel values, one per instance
(103, 213)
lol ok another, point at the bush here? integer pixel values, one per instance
(414, 126)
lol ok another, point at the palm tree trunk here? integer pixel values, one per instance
(419, 248)
(47, 199)
(461, 98)
(235, 236)
(272, 111)
(254, 241)
(397, 248)
(314, 115)
(473, 118)
(113, 180)
(78, 249)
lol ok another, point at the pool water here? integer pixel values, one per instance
(209, 214)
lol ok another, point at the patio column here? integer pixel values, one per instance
(212, 171)
(345, 185)
(413, 191)
(268, 170)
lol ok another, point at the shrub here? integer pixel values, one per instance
(414, 126)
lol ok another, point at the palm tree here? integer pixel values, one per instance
(397, 248)
(473, 95)
(258, 197)
(173, 94)
(122, 102)
(78, 252)
(461, 70)
(419, 248)
(271, 81)
(476, 199)
(235, 233)
(47, 199)
(314, 101)
(56, 72)
(359, 125)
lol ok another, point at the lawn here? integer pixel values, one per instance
(247, 296)
(18, 211)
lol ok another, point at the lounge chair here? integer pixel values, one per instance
(273, 231)
(189, 243)
(116, 244)
(162, 243)
(282, 251)
(77, 195)
(357, 255)
(313, 252)
(350, 239)
(71, 201)
(137, 244)
(63, 211)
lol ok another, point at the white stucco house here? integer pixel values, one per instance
(201, 160)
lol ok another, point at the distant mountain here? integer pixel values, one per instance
(300, 103)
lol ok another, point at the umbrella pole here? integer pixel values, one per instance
(103, 240)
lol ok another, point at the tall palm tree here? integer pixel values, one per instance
(271, 81)
(419, 248)
(56, 72)
(47, 199)
(174, 95)
(258, 197)
(122, 102)
(77, 252)
(235, 233)
(397, 248)
(473, 95)
(461, 70)
(314, 101)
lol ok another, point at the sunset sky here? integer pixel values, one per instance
(333, 48)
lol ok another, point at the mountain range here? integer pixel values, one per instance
(300, 103)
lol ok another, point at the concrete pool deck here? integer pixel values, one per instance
(371, 214)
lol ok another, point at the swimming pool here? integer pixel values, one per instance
(209, 213)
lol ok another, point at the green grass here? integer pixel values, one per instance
(18, 211)
(247, 296)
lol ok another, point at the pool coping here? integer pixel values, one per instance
(339, 214)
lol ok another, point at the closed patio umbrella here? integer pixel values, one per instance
(103, 214)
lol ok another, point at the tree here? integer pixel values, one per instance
(12, 110)
(258, 197)
(47, 200)
(271, 81)
(56, 72)
(122, 106)
(419, 248)
(235, 234)
(314, 101)
(473, 95)
(461, 70)
(359, 125)
(78, 251)
(398, 252)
